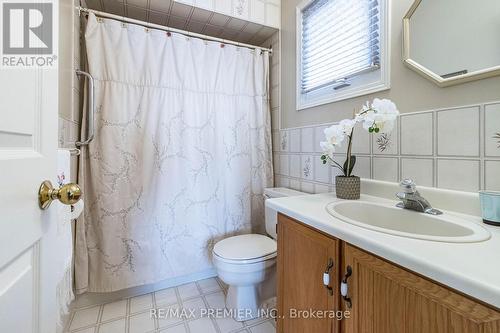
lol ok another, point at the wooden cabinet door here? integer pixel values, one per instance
(388, 299)
(303, 257)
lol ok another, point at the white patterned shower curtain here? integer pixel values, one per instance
(181, 155)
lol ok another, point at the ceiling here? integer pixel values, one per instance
(185, 17)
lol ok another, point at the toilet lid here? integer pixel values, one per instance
(245, 247)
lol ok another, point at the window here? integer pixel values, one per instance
(341, 50)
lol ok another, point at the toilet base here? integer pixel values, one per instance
(243, 301)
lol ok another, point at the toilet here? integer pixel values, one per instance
(247, 264)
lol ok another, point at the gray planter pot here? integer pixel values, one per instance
(348, 187)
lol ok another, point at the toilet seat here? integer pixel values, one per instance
(245, 262)
(245, 249)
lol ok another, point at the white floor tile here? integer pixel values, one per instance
(86, 330)
(254, 321)
(216, 300)
(265, 327)
(85, 317)
(224, 286)
(116, 319)
(228, 324)
(188, 290)
(117, 326)
(114, 310)
(209, 285)
(141, 323)
(176, 329)
(202, 325)
(166, 296)
(195, 305)
(141, 303)
(168, 317)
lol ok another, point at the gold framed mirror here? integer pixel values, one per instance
(452, 41)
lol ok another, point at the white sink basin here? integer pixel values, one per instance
(406, 223)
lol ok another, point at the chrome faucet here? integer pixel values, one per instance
(411, 199)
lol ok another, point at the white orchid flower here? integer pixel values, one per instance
(335, 135)
(380, 117)
(347, 125)
(327, 147)
(386, 114)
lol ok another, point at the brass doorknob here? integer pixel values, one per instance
(67, 194)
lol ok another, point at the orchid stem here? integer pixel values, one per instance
(349, 149)
(335, 164)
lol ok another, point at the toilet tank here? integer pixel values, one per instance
(271, 215)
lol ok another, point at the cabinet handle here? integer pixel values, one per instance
(344, 287)
(326, 276)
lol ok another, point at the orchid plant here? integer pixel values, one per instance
(379, 117)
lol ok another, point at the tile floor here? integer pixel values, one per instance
(132, 315)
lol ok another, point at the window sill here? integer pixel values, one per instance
(340, 96)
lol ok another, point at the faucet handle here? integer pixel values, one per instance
(408, 186)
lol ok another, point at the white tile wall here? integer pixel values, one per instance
(307, 142)
(492, 175)
(295, 166)
(258, 11)
(362, 141)
(362, 168)
(492, 130)
(261, 11)
(307, 187)
(463, 175)
(70, 98)
(295, 184)
(246, 21)
(421, 170)
(223, 6)
(452, 148)
(319, 135)
(417, 134)
(294, 140)
(386, 143)
(284, 165)
(322, 173)
(307, 167)
(284, 146)
(386, 168)
(458, 132)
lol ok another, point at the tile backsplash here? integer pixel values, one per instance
(456, 148)
(70, 94)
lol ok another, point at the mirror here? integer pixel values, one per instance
(453, 41)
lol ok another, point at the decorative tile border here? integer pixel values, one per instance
(386, 152)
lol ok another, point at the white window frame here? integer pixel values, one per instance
(362, 84)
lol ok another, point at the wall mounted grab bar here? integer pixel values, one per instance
(91, 109)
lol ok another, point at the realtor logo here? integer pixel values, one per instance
(28, 34)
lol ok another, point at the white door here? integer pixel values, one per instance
(28, 145)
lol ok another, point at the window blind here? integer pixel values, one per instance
(340, 39)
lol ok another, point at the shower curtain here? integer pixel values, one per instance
(181, 155)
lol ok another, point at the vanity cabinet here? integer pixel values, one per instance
(381, 297)
(301, 269)
(387, 298)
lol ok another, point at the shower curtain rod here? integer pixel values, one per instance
(165, 28)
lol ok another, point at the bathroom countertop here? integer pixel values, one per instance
(471, 268)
